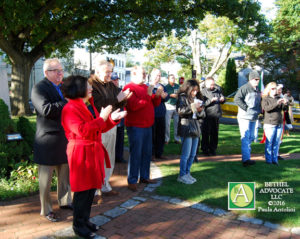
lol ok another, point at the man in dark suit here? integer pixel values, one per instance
(50, 141)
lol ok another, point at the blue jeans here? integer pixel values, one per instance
(247, 129)
(273, 136)
(140, 148)
(188, 152)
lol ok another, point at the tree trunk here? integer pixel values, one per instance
(19, 90)
(196, 51)
(217, 65)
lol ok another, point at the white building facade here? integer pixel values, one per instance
(87, 61)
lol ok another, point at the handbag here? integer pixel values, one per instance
(193, 130)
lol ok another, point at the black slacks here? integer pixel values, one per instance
(158, 136)
(210, 135)
(120, 144)
(82, 203)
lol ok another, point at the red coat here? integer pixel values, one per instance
(85, 151)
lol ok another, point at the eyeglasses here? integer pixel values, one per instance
(57, 70)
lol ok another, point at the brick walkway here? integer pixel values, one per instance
(135, 215)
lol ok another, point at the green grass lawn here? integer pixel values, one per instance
(211, 187)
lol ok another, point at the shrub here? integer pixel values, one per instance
(23, 181)
(25, 129)
(12, 152)
(231, 78)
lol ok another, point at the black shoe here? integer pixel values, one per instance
(280, 158)
(196, 159)
(249, 163)
(84, 232)
(93, 227)
(276, 163)
(68, 207)
(206, 153)
(213, 153)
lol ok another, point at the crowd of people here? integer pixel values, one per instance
(251, 102)
(80, 130)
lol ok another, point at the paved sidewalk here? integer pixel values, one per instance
(142, 214)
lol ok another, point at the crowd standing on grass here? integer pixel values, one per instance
(78, 137)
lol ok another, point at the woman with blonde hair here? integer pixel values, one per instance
(272, 105)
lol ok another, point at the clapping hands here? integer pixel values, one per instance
(150, 89)
(124, 95)
(117, 114)
(104, 113)
(160, 92)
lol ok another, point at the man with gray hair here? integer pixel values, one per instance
(105, 93)
(139, 121)
(50, 144)
(248, 99)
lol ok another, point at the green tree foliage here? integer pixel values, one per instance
(221, 78)
(209, 45)
(280, 53)
(231, 78)
(36, 28)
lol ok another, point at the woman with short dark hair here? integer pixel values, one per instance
(85, 151)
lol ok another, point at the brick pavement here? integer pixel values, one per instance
(152, 218)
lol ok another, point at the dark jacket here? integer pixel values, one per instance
(273, 111)
(50, 141)
(212, 109)
(105, 94)
(248, 100)
(160, 111)
(183, 107)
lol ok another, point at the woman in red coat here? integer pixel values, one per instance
(85, 151)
